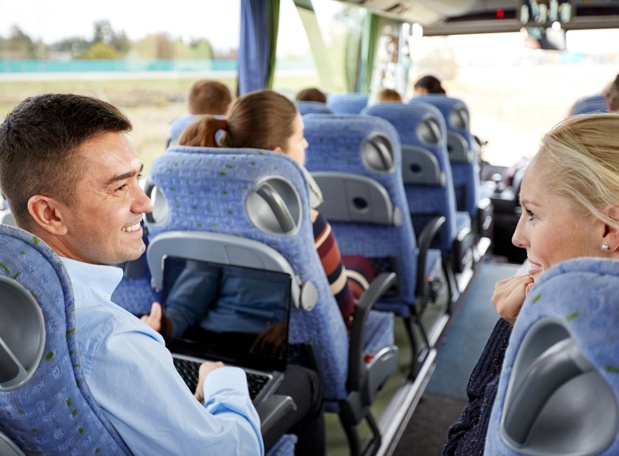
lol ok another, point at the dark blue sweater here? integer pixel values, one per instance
(467, 436)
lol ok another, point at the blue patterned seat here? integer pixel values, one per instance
(347, 103)
(45, 404)
(462, 156)
(313, 107)
(427, 176)
(135, 292)
(559, 387)
(248, 195)
(590, 105)
(177, 126)
(356, 161)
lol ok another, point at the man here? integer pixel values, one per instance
(71, 177)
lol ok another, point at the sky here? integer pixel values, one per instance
(217, 20)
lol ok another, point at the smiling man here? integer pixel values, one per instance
(71, 177)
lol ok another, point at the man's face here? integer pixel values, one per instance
(103, 222)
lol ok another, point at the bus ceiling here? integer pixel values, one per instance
(458, 17)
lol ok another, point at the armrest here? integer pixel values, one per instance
(425, 240)
(273, 409)
(377, 288)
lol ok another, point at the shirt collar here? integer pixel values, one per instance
(103, 279)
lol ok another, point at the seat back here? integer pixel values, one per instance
(559, 389)
(460, 149)
(260, 196)
(135, 292)
(590, 105)
(45, 403)
(177, 126)
(356, 161)
(313, 107)
(347, 103)
(426, 170)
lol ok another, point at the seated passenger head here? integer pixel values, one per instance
(259, 120)
(311, 94)
(208, 96)
(388, 96)
(70, 175)
(570, 194)
(428, 85)
(612, 95)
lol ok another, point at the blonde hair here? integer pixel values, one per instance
(579, 160)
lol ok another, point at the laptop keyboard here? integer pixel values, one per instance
(188, 370)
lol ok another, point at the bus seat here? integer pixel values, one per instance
(347, 103)
(423, 136)
(590, 105)
(461, 152)
(135, 292)
(8, 448)
(177, 126)
(313, 107)
(285, 446)
(355, 160)
(45, 404)
(255, 197)
(559, 389)
(6, 218)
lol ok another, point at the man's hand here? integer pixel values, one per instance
(509, 295)
(154, 318)
(205, 369)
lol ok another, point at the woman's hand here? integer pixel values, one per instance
(509, 295)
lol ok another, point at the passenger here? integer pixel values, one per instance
(570, 209)
(388, 96)
(208, 96)
(612, 95)
(429, 85)
(311, 94)
(71, 177)
(268, 120)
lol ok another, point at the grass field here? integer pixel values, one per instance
(150, 104)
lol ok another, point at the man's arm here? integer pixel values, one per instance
(134, 381)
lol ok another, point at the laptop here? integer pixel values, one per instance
(233, 314)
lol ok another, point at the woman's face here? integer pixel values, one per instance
(295, 148)
(549, 227)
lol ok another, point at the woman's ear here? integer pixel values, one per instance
(47, 214)
(278, 149)
(612, 231)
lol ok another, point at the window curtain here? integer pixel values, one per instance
(258, 43)
(368, 52)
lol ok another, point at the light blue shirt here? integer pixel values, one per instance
(132, 377)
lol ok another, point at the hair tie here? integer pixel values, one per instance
(223, 124)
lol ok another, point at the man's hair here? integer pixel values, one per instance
(208, 96)
(38, 140)
(311, 94)
(388, 95)
(613, 96)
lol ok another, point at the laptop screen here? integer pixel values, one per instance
(226, 313)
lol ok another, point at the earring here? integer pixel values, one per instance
(606, 246)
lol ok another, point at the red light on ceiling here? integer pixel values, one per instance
(500, 14)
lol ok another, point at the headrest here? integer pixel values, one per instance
(559, 387)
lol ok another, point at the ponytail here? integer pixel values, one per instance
(202, 132)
